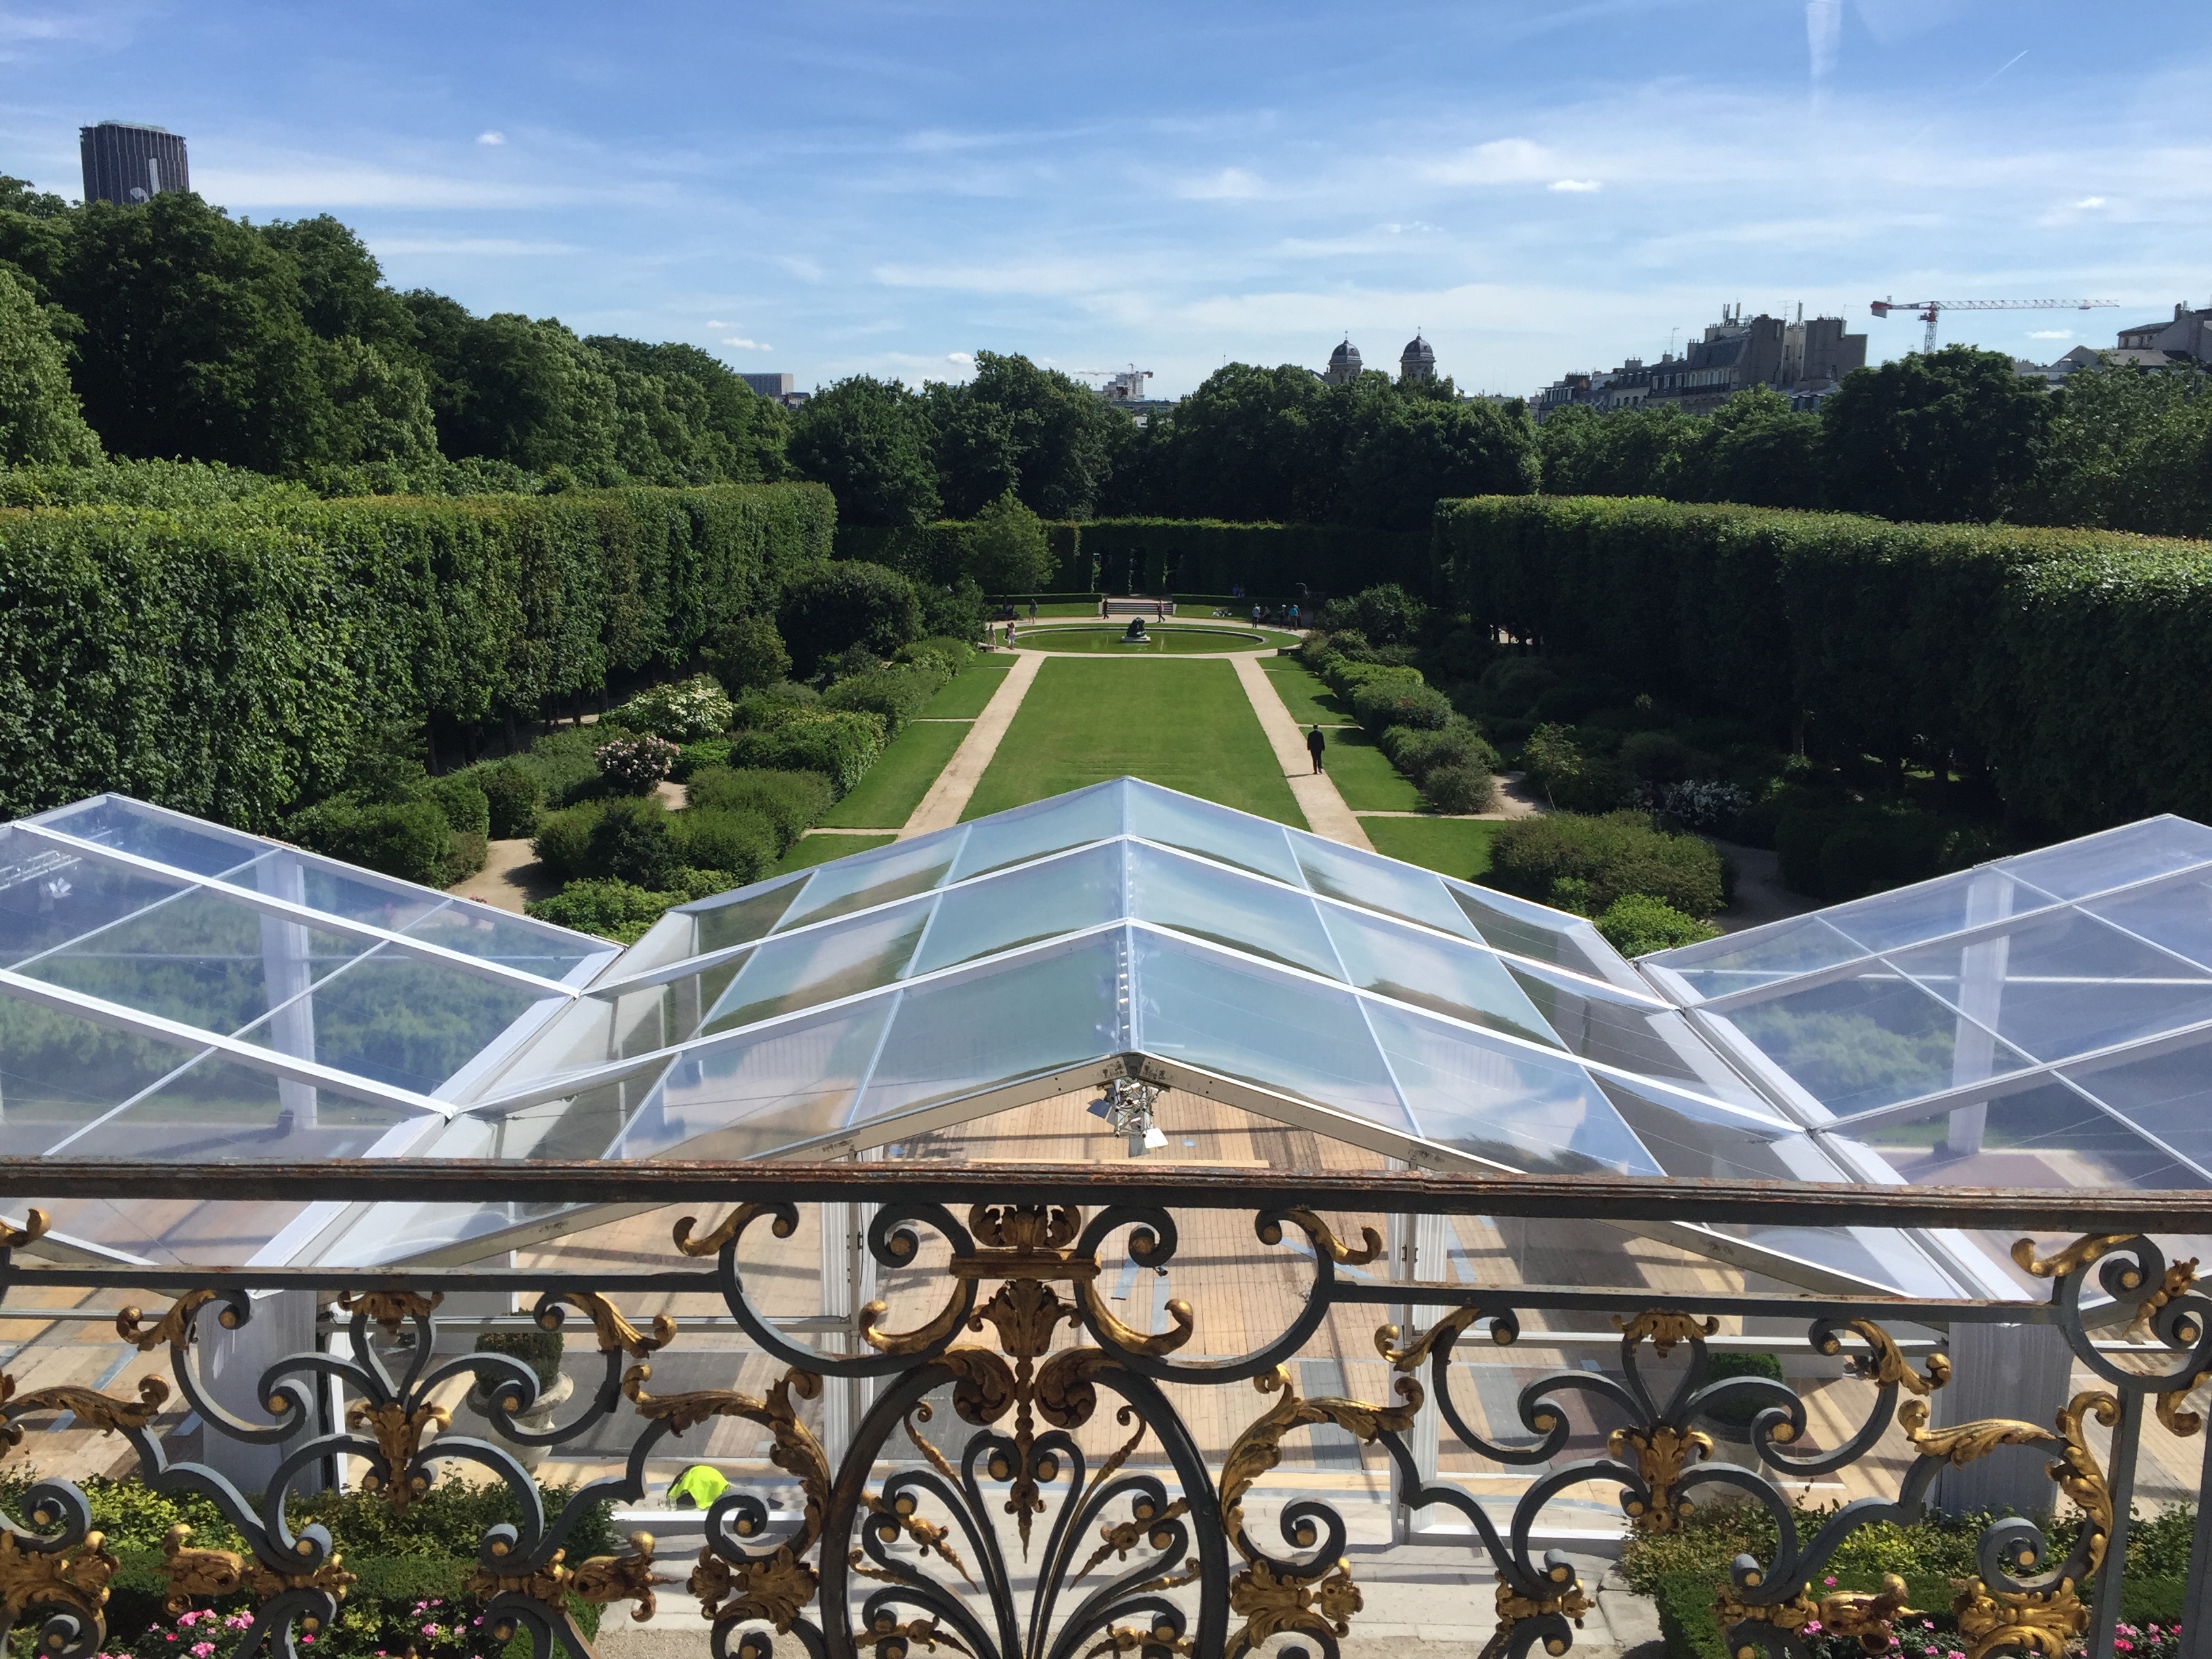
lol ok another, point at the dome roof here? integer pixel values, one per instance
(1418, 350)
(1345, 356)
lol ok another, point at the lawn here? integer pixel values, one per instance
(812, 849)
(1453, 847)
(964, 698)
(1161, 641)
(1364, 775)
(1309, 701)
(1186, 725)
(886, 797)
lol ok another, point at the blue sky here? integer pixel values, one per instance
(838, 188)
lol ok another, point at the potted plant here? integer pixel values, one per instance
(540, 1350)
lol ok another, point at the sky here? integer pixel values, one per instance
(852, 186)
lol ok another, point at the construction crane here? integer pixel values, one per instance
(1930, 310)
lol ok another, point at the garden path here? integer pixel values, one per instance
(1316, 792)
(941, 807)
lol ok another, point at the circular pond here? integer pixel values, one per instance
(1168, 638)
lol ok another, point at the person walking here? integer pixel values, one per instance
(1315, 743)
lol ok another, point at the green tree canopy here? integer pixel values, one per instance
(41, 423)
(869, 441)
(844, 604)
(1050, 439)
(1950, 436)
(2127, 450)
(1006, 550)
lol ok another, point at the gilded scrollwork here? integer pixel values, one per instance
(397, 1428)
(33, 1228)
(195, 1573)
(175, 1327)
(76, 1577)
(616, 1334)
(1663, 1328)
(1663, 1454)
(392, 1309)
(1886, 1364)
(1562, 1598)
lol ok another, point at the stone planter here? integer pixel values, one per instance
(536, 1420)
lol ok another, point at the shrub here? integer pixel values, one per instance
(460, 799)
(1005, 550)
(742, 842)
(563, 765)
(411, 839)
(897, 694)
(1838, 853)
(540, 1350)
(1572, 780)
(1386, 702)
(1728, 1363)
(513, 793)
(634, 765)
(1704, 804)
(771, 705)
(748, 652)
(954, 611)
(1636, 924)
(562, 842)
(1459, 789)
(839, 745)
(620, 911)
(1415, 750)
(631, 840)
(835, 606)
(792, 801)
(682, 712)
(951, 655)
(1615, 854)
(1385, 615)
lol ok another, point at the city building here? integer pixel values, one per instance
(1343, 364)
(127, 162)
(2185, 338)
(1418, 361)
(1802, 359)
(777, 387)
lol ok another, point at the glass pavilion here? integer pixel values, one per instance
(172, 989)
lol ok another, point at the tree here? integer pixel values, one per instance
(869, 441)
(41, 422)
(1006, 550)
(341, 286)
(511, 388)
(836, 606)
(703, 424)
(1048, 438)
(1251, 444)
(748, 654)
(1627, 452)
(2127, 450)
(1935, 438)
(1411, 447)
(1759, 451)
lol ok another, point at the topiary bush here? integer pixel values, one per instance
(411, 839)
(737, 841)
(1380, 704)
(748, 652)
(896, 695)
(540, 1350)
(631, 840)
(1459, 789)
(837, 605)
(1636, 924)
(1615, 854)
(513, 793)
(1458, 742)
(620, 911)
(841, 745)
(791, 801)
(951, 655)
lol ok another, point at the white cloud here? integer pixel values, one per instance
(2051, 334)
(960, 359)
(2090, 202)
(1824, 34)
(713, 323)
(1501, 161)
(491, 138)
(1574, 186)
(742, 344)
(1229, 185)
(807, 270)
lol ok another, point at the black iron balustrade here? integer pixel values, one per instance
(1159, 1559)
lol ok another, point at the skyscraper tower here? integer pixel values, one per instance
(124, 163)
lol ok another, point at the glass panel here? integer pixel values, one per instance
(1063, 896)
(391, 1019)
(1930, 909)
(2168, 1095)
(747, 914)
(1462, 980)
(223, 1110)
(201, 959)
(861, 880)
(1211, 832)
(50, 895)
(532, 947)
(59, 1071)
(180, 842)
(752, 1096)
(2133, 851)
(174, 1232)
(1533, 930)
(2043, 1137)
(324, 884)
(1193, 896)
(2063, 984)
(1528, 1111)
(2176, 913)
(1655, 1043)
(1048, 826)
(1699, 1144)
(1244, 1020)
(820, 965)
(1872, 1040)
(1054, 1008)
(1760, 957)
(1379, 884)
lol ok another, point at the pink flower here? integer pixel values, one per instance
(1812, 1627)
(1829, 1580)
(201, 1650)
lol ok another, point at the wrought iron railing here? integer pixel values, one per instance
(1011, 1532)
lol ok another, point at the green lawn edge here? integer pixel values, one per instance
(1364, 777)
(1303, 694)
(812, 849)
(884, 798)
(1450, 847)
(964, 698)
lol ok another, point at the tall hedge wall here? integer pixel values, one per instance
(1207, 555)
(2077, 664)
(934, 553)
(227, 661)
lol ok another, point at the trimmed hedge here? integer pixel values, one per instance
(2073, 663)
(841, 745)
(1586, 863)
(228, 661)
(937, 555)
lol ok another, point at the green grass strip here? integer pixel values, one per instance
(1303, 694)
(1186, 725)
(812, 849)
(1451, 847)
(886, 796)
(1160, 640)
(964, 698)
(1364, 775)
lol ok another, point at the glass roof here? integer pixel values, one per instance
(173, 990)
(2040, 1021)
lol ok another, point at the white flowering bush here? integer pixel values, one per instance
(684, 713)
(634, 765)
(1703, 803)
